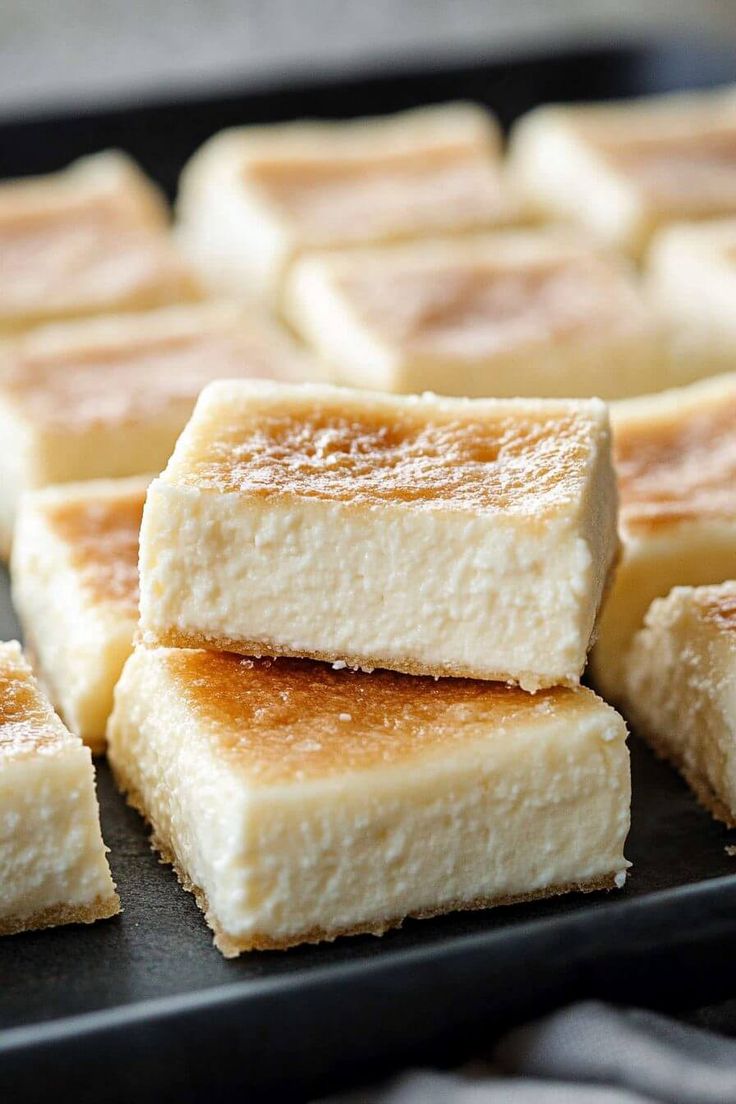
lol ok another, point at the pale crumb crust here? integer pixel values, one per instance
(56, 915)
(698, 783)
(231, 948)
(173, 638)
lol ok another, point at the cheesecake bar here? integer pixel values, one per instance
(90, 239)
(680, 689)
(431, 536)
(53, 867)
(505, 314)
(74, 576)
(675, 454)
(302, 803)
(108, 397)
(691, 273)
(622, 170)
(254, 198)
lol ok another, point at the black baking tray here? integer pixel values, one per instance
(143, 1007)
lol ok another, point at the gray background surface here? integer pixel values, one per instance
(58, 52)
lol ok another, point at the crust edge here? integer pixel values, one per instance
(174, 638)
(101, 908)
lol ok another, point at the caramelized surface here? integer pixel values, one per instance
(480, 308)
(64, 259)
(691, 174)
(518, 460)
(333, 199)
(102, 536)
(681, 465)
(283, 720)
(27, 721)
(135, 381)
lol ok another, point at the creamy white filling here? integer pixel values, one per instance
(80, 644)
(237, 244)
(691, 553)
(560, 176)
(691, 278)
(34, 456)
(327, 323)
(51, 850)
(499, 597)
(680, 688)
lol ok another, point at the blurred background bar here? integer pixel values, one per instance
(55, 53)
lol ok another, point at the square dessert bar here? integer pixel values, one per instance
(621, 171)
(108, 397)
(74, 576)
(691, 273)
(675, 454)
(53, 867)
(506, 314)
(89, 239)
(431, 536)
(680, 689)
(303, 803)
(253, 198)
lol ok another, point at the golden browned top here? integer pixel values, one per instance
(286, 719)
(691, 174)
(136, 378)
(680, 465)
(480, 308)
(28, 724)
(528, 458)
(101, 533)
(331, 200)
(75, 258)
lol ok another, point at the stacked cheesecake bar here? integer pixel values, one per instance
(355, 693)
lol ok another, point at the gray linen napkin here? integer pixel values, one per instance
(654, 1055)
(589, 1052)
(422, 1087)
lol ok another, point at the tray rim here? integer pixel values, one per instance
(721, 888)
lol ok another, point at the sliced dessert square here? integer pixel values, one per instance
(691, 273)
(675, 454)
(53, 866)
(431, 536)
(680, 689)
(108, 397)
(301, 803)
(506, 314)
(90, 239)
(74, 576)
(254, 198)
(623, 170)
